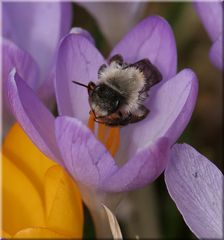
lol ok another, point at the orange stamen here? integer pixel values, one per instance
(102, 130)
(113, 140)
(109, 136)
(91, 122)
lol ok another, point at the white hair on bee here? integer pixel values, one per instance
(117, 99)
(127, 81)
(98, 110)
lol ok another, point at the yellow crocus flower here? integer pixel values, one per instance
(40, 200)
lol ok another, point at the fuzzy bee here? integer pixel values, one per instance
(117, 99)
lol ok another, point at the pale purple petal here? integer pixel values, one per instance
(33, 116)
(216, 53)
(13, 57)
(87, 160)
(171, 107)
(66, 18)
(115, 18)
(141, 169)
(211, 14)
(78, 60)
(36, 27)
(84, 33)
(46, 91)
(196, 186)
(153, 39)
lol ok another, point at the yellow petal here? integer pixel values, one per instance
(5, 235)
(39, 233)
(22, 204)
(26, 156)
(63, 203)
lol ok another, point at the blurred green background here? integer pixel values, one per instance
(150, 212)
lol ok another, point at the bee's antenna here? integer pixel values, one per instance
(78, 83)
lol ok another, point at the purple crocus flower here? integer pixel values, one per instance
(31, 34)
(145, 146)
(211, 14)
(196, 186)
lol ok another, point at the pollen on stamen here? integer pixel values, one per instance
(109, 136)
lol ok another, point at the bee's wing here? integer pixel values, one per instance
(151, 73)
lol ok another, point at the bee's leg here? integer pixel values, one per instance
(102, 67)
(116, 58)
(137, 116)
(119, 120)
(98, 121)
(141, 113)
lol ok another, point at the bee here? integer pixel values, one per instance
(117, 99)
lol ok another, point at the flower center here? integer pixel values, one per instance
(109, 136)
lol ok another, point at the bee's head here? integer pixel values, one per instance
(104, 100)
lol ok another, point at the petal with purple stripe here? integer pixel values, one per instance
(86, 159)
(196, 186)
(37, 28)
(33, 116)
(78, 60)
(153, 39)
(142, 168)
(171, 107)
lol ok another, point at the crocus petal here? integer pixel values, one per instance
(216, 53)
(5, 235)
(170, 107)
(196, 186)
(141, 169)
(66, 18)
(36, 28)
(78, 60)
(83, 32)
(23, 153)
(64, 212)
(17, 190)
(211, 14)
(33, 116)
(39, 233)
(86, 159)
(153, 39)
(127, 14)
(12, 57)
